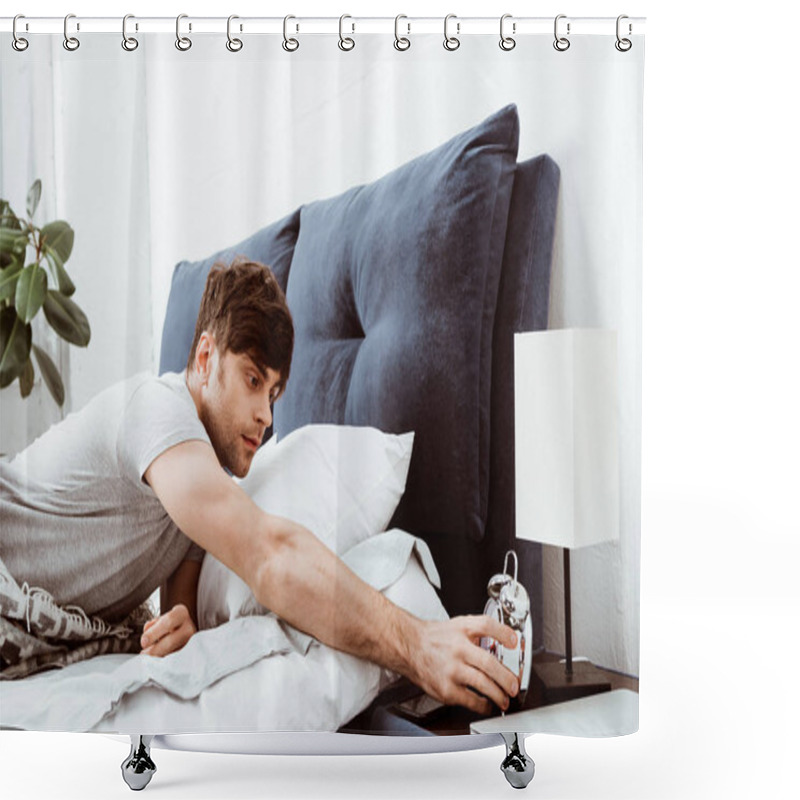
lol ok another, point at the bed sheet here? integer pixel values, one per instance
(254, 673)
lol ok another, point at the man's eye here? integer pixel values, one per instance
(254, 381)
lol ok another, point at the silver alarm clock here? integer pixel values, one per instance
(509, 603)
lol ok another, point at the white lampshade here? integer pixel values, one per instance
(566, 439)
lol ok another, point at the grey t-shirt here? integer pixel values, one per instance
(77, 518)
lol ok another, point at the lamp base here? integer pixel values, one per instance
(556, 687)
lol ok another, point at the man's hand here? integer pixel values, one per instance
(450, 663)
(169, 632)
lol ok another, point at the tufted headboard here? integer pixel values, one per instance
(405, 294)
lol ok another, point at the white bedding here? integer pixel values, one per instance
(253, 673)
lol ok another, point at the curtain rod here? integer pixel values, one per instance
(461, 26)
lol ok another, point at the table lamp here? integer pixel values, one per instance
(567, 464)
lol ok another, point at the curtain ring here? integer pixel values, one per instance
(451, 42)
(623, 45)
(234, 45)
(289, 45)
(345, 42)
(183, 43)
(401, 42)
(506, 42)
(128, 42)
(71, 43)
(561, 43)
(18, 43)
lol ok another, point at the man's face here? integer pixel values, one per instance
(235, 408)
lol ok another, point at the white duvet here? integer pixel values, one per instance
(254, 673)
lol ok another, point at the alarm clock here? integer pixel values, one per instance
(509, 603)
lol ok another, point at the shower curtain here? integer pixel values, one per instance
(155, 155)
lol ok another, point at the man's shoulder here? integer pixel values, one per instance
(159, 415)
(158, 390)
(160, 401)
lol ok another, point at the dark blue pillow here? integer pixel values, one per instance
(272, 246)
(393, 288)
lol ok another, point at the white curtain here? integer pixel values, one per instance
(78, 124)
(156, 156)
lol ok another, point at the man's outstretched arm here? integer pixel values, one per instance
(293, 574)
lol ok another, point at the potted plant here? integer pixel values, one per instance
(27, 288)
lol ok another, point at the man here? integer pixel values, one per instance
(119, 499)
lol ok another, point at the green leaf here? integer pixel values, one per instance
(50, 374)
(8, 219)
(12, 240)
(11, 259)
(26, 379)
(34, 195)
(8, 280)
(66, 318)
(64, 282)
(57, 238)
(15, 346)
(31, 290)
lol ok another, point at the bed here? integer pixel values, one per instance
(405, 294)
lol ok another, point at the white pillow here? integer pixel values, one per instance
(343, 483)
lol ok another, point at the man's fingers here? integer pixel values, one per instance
(169, 643)
(489, 626)
(148, 627)
(487, 664)
(161, 628)
(474, 702)
(480, 682)
(156, 629)
(166, 644)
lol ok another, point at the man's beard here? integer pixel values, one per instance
(225, 451)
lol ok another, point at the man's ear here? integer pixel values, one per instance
(206, 347)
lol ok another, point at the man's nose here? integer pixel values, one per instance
(265, 415)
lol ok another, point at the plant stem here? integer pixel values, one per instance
(37, 242)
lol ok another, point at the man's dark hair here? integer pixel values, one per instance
(245, 309)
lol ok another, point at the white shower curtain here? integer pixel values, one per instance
(157, 155)
(720, 440)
